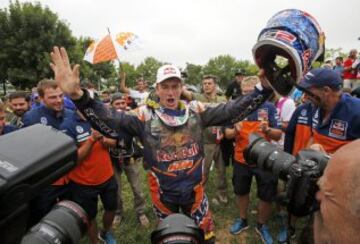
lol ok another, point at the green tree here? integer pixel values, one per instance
(332, 53)
(28, 33)
(225, 66)
(131, 74)
(148, 68)
(194, 73)
(3, 32)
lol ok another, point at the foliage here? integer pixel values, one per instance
(332, 53)
(225, 66)
(28, 33)
(131, 74)
(194, 73)
(148, 68)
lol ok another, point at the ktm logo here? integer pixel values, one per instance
(180, 165)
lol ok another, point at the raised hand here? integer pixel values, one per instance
(122, 76)
(67, 78)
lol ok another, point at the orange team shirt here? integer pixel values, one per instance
(342, 127)
(299, 130)
(267, 112)
(96, 168)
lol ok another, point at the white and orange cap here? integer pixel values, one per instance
(167, 71)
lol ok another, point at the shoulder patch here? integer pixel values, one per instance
(43, 120)
(303, 112)
(79, 129)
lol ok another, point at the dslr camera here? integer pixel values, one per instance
(301, 173)
(30, 160)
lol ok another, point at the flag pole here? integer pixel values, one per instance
(119, 71)
(108, 29)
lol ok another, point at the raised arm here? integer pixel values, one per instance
(67, 78)
(122, 86)
(188, 95)
(235, 110)
(106, 121)
(99, 116)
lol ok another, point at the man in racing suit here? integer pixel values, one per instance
(171, 133)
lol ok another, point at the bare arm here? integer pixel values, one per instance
(230, 133)
(122, 85)
(108, 142)
(188, 95)
(85, 148)
(273, 134)
(238, 109)
(68, 79)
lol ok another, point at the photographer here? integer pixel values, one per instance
(336, 120)
(338, 220)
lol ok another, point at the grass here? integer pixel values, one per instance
(130, 232)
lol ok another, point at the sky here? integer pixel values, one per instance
(194, 31)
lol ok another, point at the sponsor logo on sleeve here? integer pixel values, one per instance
(43, 120)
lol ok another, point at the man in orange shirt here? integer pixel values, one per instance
(93, 177)
(264, 122)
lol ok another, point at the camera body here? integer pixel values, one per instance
(31, 159)
(301, 173)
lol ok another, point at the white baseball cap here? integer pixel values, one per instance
(167, 71)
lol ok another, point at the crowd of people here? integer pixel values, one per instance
(179, 135)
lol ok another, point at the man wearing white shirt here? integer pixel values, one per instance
(139, 94)
(285, 107)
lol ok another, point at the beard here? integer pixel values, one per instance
(19, 113)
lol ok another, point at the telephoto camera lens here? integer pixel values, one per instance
(268, 157)
(66, 224)
(177, 229)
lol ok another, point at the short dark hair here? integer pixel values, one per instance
(340, 58)
(240, 72)
(210, 77)
(141, 80)
(19, 94)
(116, 96)
(87, 84)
